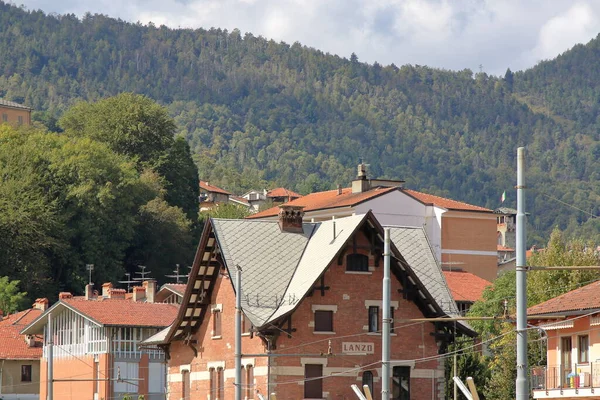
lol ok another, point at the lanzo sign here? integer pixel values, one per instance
(358, 348)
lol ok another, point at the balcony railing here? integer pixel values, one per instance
(576, 376)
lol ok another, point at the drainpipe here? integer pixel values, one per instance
(1, 368)
(385, 333)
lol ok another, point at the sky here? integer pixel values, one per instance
(487, 35)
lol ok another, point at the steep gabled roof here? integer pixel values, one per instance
(279, 268)
(465, 286)
(283, 192)
(328, 199)
(112, 312)
(584, 299)
(12, 104)
(211, 188)
(443, 202)
(177, 288)
(12, 342)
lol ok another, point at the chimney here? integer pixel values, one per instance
(150, 290)
(89, 291)
(139, 293)
(116, 294)
(290, 218)
(65, 295)
(360, 184)
(30, 340)
(41, 304)
(339, 187)
(106, 289)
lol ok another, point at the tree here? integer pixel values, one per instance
(225, 210)
(128, 123)
(541, 286)
(11, 300)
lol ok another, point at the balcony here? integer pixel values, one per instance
(565, 382)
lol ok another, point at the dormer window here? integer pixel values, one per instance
(357, 263)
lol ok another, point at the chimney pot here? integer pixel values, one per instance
(41, 304)
(106, 289)
(65, 295)
(339, 187)
(89, 291)
(116, 294)
(290, 218)
(150, 286)
(139, 293)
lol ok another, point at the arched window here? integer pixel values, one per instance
(367, 379)
(357, 262)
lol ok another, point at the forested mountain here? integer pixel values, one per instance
(256, 112)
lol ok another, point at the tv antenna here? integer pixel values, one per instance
(90, 268)
(142, 273)
(177, 274)
(129, 281)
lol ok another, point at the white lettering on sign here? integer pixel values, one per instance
(358, 348)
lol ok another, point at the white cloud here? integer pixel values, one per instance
(440, 33)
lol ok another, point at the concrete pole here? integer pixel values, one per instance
(522, 384)
(50, 357)
(385, 332)
(238, 333)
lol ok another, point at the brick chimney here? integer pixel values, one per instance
(139, 293)
(361, 183)
(41, 304)
(116, 294)
(290, 218)
(106, 289)
(65, 295)
(89, 291)
(150, 290)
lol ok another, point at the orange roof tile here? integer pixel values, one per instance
(504, 248)
(121, 312)
(210, 188)
(328, 199)
(465, 286)
(283, 192)
(12, 343)
(584, 298)
(444, 202)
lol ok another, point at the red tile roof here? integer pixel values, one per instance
(444, 202)
(584, 298)
(12, 343)
(210, 188)
(283, 192)
(121, 312)
(328, 199)
(465, 286)
(504, 248)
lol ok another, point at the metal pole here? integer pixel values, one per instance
(50, 357)
(385, 332)
(455, 375)
(522, 384)
(238, 333)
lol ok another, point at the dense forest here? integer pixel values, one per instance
(259, 113)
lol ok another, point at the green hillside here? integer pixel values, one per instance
(256, 112)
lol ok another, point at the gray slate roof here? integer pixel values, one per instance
(416, 250)
(12, 104)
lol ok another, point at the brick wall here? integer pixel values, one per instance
(350, 294)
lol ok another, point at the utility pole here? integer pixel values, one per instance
(50, 357)
(238, 333)
(522, 384)
(385, 332)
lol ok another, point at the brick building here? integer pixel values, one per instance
(20, 355)
(14, 113)
(462, 235)
(96, 353)
(311, 297)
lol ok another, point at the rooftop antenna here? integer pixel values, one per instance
(177, 274)
(142, 273)
(128, 281)
(90, 268)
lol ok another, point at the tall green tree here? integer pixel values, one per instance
(11, 299)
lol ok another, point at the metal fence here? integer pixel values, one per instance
(564, 377)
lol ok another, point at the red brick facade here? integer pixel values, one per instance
(349, 296)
